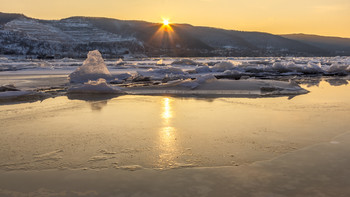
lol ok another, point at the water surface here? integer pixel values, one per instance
(234, 140)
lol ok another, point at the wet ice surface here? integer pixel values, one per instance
(179, 146)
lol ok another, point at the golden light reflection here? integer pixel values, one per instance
(167, 147)
(167, 113)
(167, 137)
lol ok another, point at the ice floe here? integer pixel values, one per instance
(202, 69)
(339, 68)
(14, 94)
(209, 85)
(95, 87)
(9, 87)
(223, 66)
(93, 68)
(176, 76)
(11, 93)
(184, 62)
(160, 73)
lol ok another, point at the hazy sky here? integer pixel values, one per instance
(323, 17)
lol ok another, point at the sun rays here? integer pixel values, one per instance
(165, 35)
(166, 25)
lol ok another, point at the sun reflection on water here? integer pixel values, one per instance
(167, 137)
(167, 113)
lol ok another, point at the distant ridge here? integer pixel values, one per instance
(75, 36)
(5, 18)
(336, 45)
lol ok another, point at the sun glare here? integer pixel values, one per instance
(165, 22)
(165, 35)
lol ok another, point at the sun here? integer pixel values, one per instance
(166, 22)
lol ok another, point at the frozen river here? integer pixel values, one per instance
(179, 146)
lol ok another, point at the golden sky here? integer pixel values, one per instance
(322, 17)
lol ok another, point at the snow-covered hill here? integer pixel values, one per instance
(64, 38)
(75, 36)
